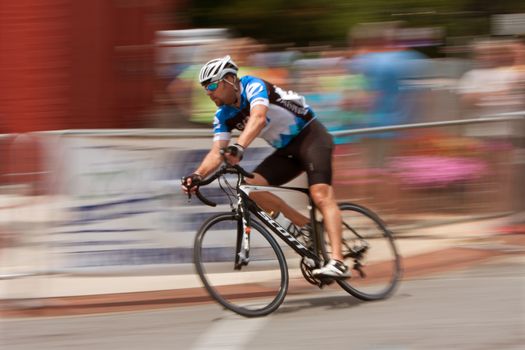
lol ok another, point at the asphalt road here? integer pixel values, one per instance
(481, 307)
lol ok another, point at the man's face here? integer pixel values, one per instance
(221, 92)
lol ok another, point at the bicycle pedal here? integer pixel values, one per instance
(326, 281)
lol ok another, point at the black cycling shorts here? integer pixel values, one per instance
(310, 151)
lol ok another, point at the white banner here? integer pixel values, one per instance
(122, 205)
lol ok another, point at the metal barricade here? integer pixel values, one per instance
(95, 206)
(434, 172)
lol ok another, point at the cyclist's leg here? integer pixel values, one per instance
(272, 203)
(315, 153)
(324, 198)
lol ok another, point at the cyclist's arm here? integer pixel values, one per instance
(213, 159)
(254, 126)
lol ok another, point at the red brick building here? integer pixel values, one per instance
(68, 64)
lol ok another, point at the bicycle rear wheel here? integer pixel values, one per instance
(370, 251)
(256, 289)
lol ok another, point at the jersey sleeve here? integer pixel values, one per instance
(220, 129)
(256, 93)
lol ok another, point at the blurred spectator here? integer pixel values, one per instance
(356, 102)
(386, 67)
(328, 90)
(275, 66)
(493, 86)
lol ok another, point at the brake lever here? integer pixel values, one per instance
(189, 192)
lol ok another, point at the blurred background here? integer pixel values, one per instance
(109, 64)
(100, 109)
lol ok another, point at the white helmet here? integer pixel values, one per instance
(216, 69)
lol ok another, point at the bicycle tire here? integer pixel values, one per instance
(381, 261)
(258, 288)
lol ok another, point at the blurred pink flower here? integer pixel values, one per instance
(436, 171)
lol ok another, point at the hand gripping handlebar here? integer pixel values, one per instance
(225, 169)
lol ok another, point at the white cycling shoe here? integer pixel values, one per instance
(333, 269)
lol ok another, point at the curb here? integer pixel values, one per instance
(413, 267)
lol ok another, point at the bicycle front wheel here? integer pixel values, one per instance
(256, 289)
(370, 251)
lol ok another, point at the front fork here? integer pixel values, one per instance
(242, 250)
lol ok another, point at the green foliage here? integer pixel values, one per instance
(328, 21)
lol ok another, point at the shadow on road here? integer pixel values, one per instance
(326, 303)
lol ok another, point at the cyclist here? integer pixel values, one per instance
(285, 121)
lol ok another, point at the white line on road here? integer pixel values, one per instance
(230, 334)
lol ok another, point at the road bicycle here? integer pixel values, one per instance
(243, 267)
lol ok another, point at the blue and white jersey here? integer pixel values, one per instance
(287, 112)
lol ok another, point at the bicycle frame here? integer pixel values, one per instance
(247, 206)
